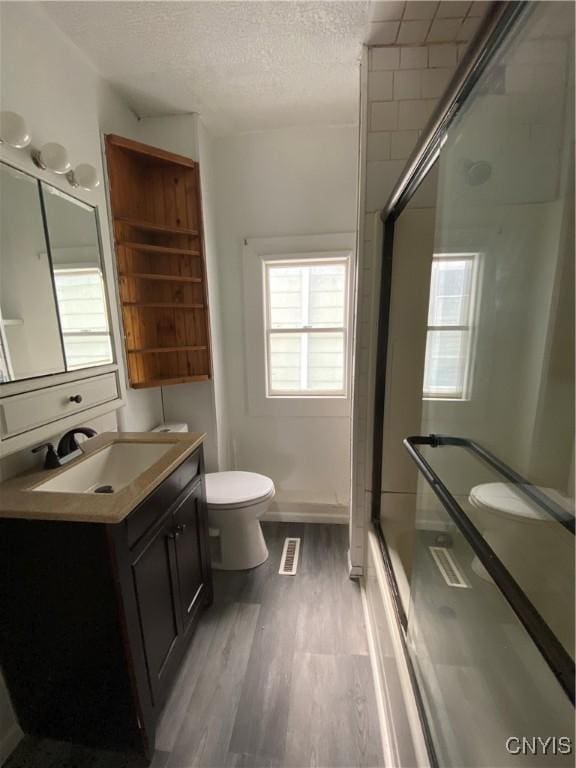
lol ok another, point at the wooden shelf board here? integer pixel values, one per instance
(146, 350)
(153, 276)
(161, 305)
(148, 226)
(167, 382)
(154, 153)
(158, 248)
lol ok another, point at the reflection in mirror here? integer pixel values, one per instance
(78, 279)
(30, 335)
(499, 365)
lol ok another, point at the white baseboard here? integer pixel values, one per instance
(9, 741)
(299, 512)
(391, 751)
(435, 525)
(387, 751)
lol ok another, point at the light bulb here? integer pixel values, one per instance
(13, 130)
(84, 176)
(52, 156)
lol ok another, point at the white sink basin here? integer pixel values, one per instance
(113, 467)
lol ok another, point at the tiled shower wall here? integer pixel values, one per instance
(400, 86)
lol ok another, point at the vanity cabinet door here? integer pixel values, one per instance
(191, 553)
(158, 605)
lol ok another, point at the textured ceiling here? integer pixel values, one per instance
(242, 65)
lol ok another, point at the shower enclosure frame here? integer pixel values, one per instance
(497, 23)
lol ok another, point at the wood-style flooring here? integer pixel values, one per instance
(277, 675)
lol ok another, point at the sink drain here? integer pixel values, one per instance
(104, 489)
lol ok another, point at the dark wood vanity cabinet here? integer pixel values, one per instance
(95, 619)
(168, 576)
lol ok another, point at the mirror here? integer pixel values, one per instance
(78, 279)
(30, 332)
(53, 307)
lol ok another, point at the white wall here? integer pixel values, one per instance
(72, 111)
(208, 184)
(37, 62)
(296, 181)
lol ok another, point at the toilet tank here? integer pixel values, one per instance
(171, 426)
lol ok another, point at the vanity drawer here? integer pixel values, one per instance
(151, 509)
(21, 413)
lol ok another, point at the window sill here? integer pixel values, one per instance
(307, 397)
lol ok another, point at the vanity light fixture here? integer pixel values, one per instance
(13, 130)
(84, 176)
(53, 157)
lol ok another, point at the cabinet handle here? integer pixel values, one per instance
(175, 532)
(75, 398)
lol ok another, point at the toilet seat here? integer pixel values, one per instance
(505, 499)
(237, 489)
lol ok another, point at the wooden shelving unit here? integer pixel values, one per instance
(148, 248)
(157, 214)
(147, 226)
(173, 278)
(155, 350)
(166, 305)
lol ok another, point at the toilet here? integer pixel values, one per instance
(513, 525)
(236, 501)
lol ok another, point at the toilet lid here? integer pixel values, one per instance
(236, 487)
(507, 499)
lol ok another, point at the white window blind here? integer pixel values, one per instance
(450, 319)
(306, 309)
(83, 316)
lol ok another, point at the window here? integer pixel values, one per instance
(306, 326)
(450, 315)
(82, 308)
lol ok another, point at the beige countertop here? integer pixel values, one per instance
(17, 500)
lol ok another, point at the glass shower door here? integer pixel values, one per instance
(498, 371)
(488, 693)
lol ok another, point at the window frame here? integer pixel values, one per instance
(306, 260)
(248, 355)
(470, 326)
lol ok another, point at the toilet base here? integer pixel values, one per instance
(241, 546)
(480, 571)
(240, 543)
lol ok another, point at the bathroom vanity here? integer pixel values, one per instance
(100, 592)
